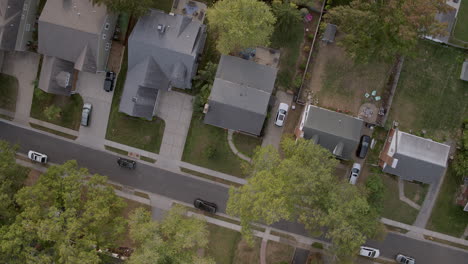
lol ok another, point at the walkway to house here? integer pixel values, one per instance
(176, 109)
(403, 198)
(234, 149)
(22, 65)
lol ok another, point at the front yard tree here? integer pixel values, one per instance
(303, 187)
(385, 29)
(65, 218)
(175, 239)
(136, 8)
(240, 24)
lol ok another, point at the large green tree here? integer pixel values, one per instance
(12, 177)
(287, 15)
(175, 239)
(384, 29)
(65, 217)
(303, 187)
(136, 8)
(240, 24)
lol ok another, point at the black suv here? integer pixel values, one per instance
(363, 146)
(205, 206)
(126, 163)
(109, 81)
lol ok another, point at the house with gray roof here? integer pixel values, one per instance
(413, 158)
(337, 132)
(17, 18)
(76, 32)
(163, 52)
(240, 95)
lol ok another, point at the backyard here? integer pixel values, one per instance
(447, 217)
(460, 31)
(132, 131)
(430, 96)
(207, 146)
(8, 92)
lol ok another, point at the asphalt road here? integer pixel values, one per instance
(186, 189)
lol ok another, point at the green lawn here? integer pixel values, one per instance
(416, 191)
(70, 106)
(246, 144)
(223, 244)
(132, 131)
(279, 253)
(164, 5)
(461, 28)
(394, 208)
(8, 92)
(447, 217)
(290, 50)
(430, 95)
(207, 146)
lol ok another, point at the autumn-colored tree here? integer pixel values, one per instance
(383, 29)
(303, 187)
(64, 218)
(240, 24)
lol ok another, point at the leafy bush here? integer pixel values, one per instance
(297, 82)
(210, 151)
(306, 49)
(302, 66)
(52, 112)
(375, 189)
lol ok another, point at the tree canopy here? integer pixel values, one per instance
(64, 219)
(287, 15)
(383, 29)
(303, 187)
(174, 240)
(136, 8)
(240, 24)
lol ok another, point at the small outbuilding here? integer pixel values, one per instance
(464, 71)
(329, 35)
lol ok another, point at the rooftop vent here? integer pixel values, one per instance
(162, 28)
(134, 99)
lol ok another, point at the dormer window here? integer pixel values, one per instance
(107, 26)
(104, 36)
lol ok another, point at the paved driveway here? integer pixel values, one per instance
(273, 133)
(90, 87)
(22, 65)
(176, 109)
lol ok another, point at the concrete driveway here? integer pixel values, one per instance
(91, 87)
(176, 109)
(22, 65)
(273, 133)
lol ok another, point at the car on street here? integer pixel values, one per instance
(281, 114)
(400, 258)
(126, 163)
(109, 81)
(86, 114)
(37, 157)
(205, 205)
(369, 252)
(355, 170)
(363, 146)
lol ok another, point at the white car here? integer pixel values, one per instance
(38, 157)
(281, 115)
(354, 173)
(86, 114)
(400, 258)
(369, 252)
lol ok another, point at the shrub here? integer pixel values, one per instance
(52, 112)
(297, 82)
(375, 189)
(310, 36)
(306, 49)
(302, 66)
(210, 151)
(317, 245)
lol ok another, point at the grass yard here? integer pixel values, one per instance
(207, 146)
(461, 28)
(246, 144)
(70, 108)
(164, 5)
(132, 131)
(447, 217)
(394, 208)
(430, 96)
(131, 206)
(290, 50)
(8, 92)
(416, 191)
(279, 253)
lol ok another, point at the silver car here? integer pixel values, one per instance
(400, 258)
(86, 114)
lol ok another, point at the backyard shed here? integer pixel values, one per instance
(329, 35)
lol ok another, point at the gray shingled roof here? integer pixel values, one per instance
(159, 60)
(10, 18)
(330, 32)
(55, 73)
(464, 71)
(240, 95)
(333, 130)
(419, 159)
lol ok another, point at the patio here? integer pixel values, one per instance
(192, 9)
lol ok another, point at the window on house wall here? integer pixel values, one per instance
(28, 27)
(107, 26)
(108, 46)
(104, 36)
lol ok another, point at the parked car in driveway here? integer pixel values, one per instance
(109, 81)
(400, 258)
(86, 114)
(126, 163)
(369, 252)
(281, 114)
(355, 170)
(363, 146)
(205, 205)
(37, 157)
